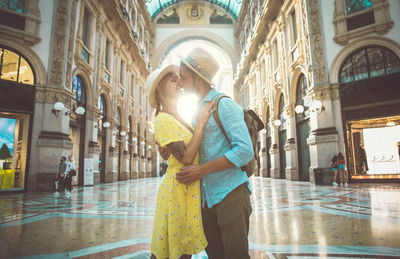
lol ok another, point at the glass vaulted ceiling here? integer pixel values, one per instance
(156, 6)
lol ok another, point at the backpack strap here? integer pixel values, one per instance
(216, 116)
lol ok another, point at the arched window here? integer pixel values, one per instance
(15, 68)
(79, 90)
(369, 62)
(102, 107)
(301, 90)
(301, 97)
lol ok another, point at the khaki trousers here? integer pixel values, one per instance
(226, 225)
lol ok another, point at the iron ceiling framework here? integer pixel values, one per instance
(156, 6)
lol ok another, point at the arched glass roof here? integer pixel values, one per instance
(156, 6)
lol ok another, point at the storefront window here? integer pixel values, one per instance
(15, 68)
(368, 63)
(13, 148)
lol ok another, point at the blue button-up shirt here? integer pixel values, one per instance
(215, 186)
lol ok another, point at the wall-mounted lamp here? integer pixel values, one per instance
(277, 123)
(142, 143)
(149, 146)
(317, 106)
(106, 124)
(299, 109)
(123, 133)
(80, 110)
(134, 139)
(58, 106)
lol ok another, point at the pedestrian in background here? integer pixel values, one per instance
(69, 172)
(342, 169)
(334, 166)
(59, 179)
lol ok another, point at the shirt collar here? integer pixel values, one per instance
(210, 95)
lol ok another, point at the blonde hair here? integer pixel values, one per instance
(161, 100)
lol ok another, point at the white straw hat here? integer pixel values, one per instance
(202, 63)
(154, 79)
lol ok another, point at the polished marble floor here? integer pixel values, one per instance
(289, 220)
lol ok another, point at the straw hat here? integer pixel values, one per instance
(202, 63)
(154, 79)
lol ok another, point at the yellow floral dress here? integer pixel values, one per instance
(178, 226)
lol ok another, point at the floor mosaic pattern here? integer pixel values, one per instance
(290, 220)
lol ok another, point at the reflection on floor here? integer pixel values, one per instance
(289, 220)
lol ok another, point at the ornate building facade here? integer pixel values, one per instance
(300, 69)
(75, 73)
(321, 74)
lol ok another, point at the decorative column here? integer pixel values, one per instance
(50, 136)
(324, 138)
(291, 171)
(112, 170)
(124, 174)
(94, 151)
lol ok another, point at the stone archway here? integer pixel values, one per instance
(168, 44)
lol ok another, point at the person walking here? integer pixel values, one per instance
(59, 179)
(342, 169)
(69, 172)
(225, 188)
(177, 228)
(334, 166)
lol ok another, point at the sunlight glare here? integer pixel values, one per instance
(187, 106)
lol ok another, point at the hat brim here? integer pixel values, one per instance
(174, 69)
(195, 70)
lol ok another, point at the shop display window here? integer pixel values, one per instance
(13, 148)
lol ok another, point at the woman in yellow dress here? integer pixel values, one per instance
(177, 228)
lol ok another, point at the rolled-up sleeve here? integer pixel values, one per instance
(231, 115)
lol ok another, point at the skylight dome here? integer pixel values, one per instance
(156, 6)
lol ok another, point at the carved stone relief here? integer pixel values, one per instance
(318, 64)
(53, 95)
(71, 41)
(58, 43)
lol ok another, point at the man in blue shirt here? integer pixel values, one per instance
(225, 188)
